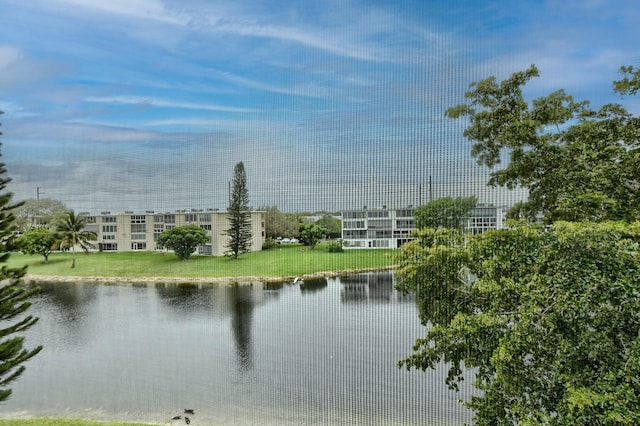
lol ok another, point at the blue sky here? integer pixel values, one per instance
(148, 104)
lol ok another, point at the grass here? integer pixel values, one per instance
(46, 421)
(282, 261)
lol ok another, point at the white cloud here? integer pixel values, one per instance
(145, 9)
(163, 103)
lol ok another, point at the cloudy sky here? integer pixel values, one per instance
(148, 104)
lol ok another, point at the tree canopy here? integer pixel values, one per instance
(332, 225)
(311, 234)
(45, 212)
(445, 212)
(545, 317)
(547, 320)
(183, 240)
(71, 233)
(239, 231)
(578, 163)
(278, 224)
(39, 240)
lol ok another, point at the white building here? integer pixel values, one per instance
(391, 228)
(138, 232)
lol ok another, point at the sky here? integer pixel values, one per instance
(331, 105)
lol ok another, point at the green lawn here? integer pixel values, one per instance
(282, 261)
(45, 421)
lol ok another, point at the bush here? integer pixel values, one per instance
(335, 247)
(269, 243)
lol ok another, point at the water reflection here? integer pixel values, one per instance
(320, 352)
(313, 285)
(71, 304)
(241, 304)
(372, 287)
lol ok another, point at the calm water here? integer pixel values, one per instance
(323, 353)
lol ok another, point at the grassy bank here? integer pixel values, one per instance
(283, 261)
(45, 421)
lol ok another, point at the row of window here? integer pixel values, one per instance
(167, 218)
(142, 228)
(377, 224)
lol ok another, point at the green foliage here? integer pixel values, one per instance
(335, 246)
(547, 320)
(239, 231)
(445, 212)
(13, 300)
(278, 224)
(630, 84)
(40, 240)
(45, 212)
(71, 233)
(332, 225)
(577, 163)
(183, 240)
(311, 234)
(269, 243)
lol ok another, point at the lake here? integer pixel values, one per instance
(321, 353)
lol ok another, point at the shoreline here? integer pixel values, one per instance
(151, 280)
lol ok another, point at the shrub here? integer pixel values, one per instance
(269, 243)
(335, 246)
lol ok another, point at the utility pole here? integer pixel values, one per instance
(37, 214)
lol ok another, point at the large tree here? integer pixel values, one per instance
(183, 240)
(39, 240)
(14, 299)
(39, 212)
(332, 225)
(546, 320)
(71, 233)
(278, 224)
(311, 234)
(445, 212)
(239, 231)
(578, 163)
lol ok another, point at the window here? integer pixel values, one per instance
(109, 228)
(355, 234)
(206, 227)
(138, 219)
(380, 213)
(191, 217)
(206, 217)
(380, 223)
(169, 218)
(404, 213)
(108, 219)
(138, 236)
(404, 224)
(108, 237)
(355, 215)
(353, 224)
(138, 246)
(109, 247)
(138, 228)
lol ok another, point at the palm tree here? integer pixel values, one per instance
(71, 231)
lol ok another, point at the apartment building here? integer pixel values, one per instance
(391, 228)
(129, 231)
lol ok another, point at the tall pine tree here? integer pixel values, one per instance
(239, 231)
(13, 298)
